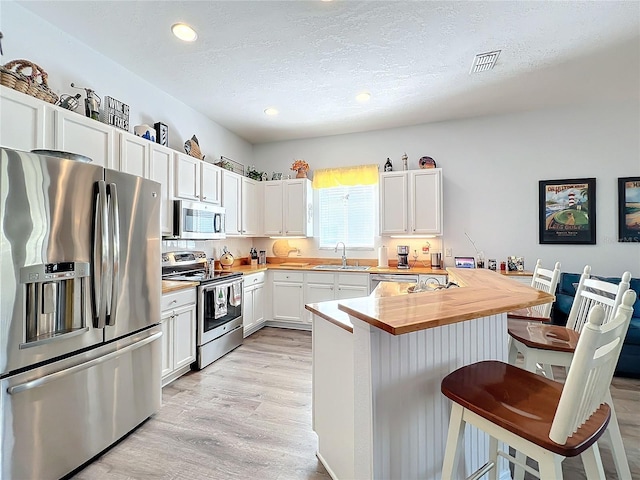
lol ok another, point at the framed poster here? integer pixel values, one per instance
(567, 211)
(629, 209)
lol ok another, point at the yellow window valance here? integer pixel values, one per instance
(345, 176)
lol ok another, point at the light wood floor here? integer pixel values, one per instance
(248, 416)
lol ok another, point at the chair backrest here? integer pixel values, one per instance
(590, 292)
(591, 369)
(546, 281)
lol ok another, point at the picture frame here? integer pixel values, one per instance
(629, 209)
(567, 211)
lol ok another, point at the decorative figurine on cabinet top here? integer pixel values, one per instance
(162, 133)
(427, 162)
(192, 147)
(301, 167)
(404, 161)
(387, 166)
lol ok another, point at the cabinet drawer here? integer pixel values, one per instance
(173, 300)
(314, 277)
(253, 279)
(358, 279)
(288, 276)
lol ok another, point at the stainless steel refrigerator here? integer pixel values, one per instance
(80, 286)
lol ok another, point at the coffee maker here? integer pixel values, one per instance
(403, 256)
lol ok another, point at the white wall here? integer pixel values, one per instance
(66, 60)
(491, 168)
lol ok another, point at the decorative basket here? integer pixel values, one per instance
(34, 82)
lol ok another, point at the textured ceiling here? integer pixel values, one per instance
(310, 58)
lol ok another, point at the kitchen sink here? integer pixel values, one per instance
(340, 267)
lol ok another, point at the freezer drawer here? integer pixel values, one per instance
(59, 416)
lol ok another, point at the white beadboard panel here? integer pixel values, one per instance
(410, 414)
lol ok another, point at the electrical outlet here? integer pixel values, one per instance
(447, 252)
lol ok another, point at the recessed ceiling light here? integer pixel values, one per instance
(363, 97)
(184, 32)
(271, 111)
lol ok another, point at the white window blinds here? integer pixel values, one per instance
(347, 214)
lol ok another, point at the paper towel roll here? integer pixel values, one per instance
(383, 260)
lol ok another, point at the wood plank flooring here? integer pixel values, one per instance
(248, 416)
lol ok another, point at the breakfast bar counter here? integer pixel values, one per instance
(377, 406)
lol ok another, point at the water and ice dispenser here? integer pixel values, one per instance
(57, 300)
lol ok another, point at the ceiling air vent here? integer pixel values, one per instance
(484, 61)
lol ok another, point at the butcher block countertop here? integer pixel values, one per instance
(483, 293)
(172, 286)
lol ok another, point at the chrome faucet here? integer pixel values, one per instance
(344, 253)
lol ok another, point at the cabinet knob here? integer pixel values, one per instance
(204, 198)
(173, 301)
(195, 196)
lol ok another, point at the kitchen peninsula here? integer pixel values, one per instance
(377, 366)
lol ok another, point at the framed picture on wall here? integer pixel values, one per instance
(629, 209)
(567, 211)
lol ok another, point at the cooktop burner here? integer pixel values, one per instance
(203, 277)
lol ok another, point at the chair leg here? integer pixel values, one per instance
(518, 471)
(455, 439)
(548, 371)
(593, 463)
(550, 466)
(493, 457)
(513, 351)
(617, 447)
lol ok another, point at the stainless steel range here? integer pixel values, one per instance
(219, 308)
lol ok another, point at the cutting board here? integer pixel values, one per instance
(294, 264)
(281, 248)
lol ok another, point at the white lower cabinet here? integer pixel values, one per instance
(326, 286)
(178, 322)
(253, 306)
(287, 297)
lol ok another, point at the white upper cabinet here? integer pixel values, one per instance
(161, 170)
(411, 202)
(187, 177)
(251, 207)
(197, 180)
(22, 121)
(288, 208)
(134, 154)
(232, 202)
(210, 183)
(241, 198)
(77, 134)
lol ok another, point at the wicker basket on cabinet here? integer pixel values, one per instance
(27, 77)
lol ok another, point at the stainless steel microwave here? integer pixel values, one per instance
(198, 221)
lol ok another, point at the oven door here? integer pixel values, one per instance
(199, 221)
(219, 304)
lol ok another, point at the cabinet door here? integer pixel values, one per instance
(210, 183)
(319, 292)
(287, 301)
(184, 336)
(134, 155)
(351, 291)
(250, 205)
(248, 317)
(167, 344)
(393, 204)
(77, 134)
(425, 193)
(187, 177)
(295, 207)
(273, 208)
(161, 170)
(232, 202)
(258, 304)
(22, 121)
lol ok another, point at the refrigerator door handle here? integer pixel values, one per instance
(114, 219)
(100, 255)
(38, 382)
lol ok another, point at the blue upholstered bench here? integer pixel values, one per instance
(629, 362)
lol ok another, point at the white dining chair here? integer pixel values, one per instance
(547, 345)
(544, 419)
(546, 281)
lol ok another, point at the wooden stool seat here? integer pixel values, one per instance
(521, 402)
(528, 313)
(546, 337)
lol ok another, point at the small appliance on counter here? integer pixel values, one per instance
(403, 256)
(262, 257)
(436, 260)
